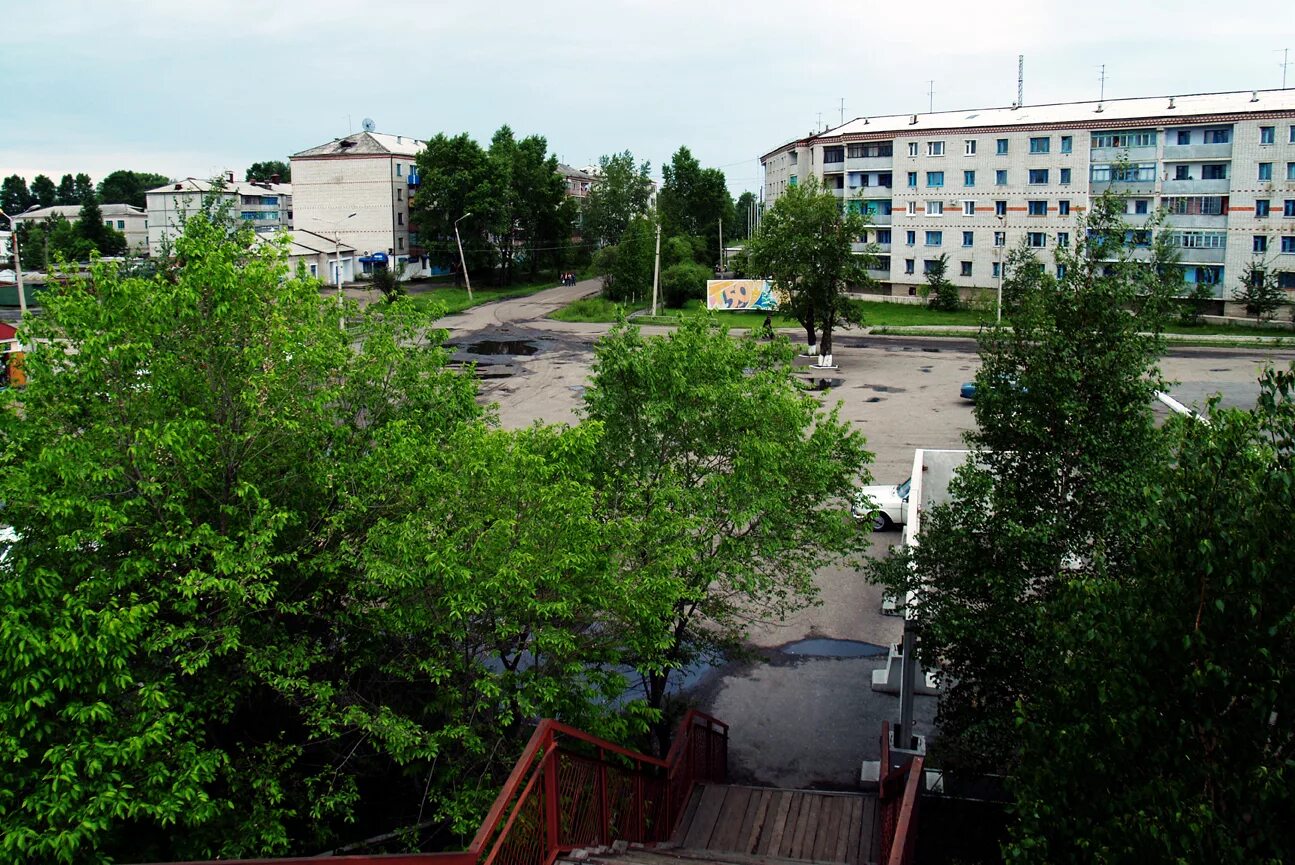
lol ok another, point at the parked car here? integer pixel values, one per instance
(968, 391)
(883, 506)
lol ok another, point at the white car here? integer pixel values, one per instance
(885, 506)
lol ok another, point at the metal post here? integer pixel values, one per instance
(337, 263)
(910, 669)
(17, 267)
(656, 269)
(998, 310)
(463, 262)
(721, 245)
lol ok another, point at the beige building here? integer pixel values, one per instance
(972, 184)
(358, 188)
(267, 206)
(129, 220)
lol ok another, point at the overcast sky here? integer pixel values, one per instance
(189, 88)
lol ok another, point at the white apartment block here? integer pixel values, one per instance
(973, 184)
(267, 206)
(129, 220)
(357, 189)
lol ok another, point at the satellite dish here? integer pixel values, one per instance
(368, 125)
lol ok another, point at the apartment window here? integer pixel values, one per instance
(935, 178)
(1214, 171)
(912, 148)
(966, 268)
(1288, 244)
(929, 264)
(910, 238)
(854, 151)
(1124, 139)
(1063, 238)
(1038, 208)
(398, 169)
(1199, 239)
(912, 180)
(1218, 136)
(400, 243)
(969, 147)
(1267, 134)
(1000, 177)
(934, 238)
(1036, 239)
(885, 179)
(314, 270)
(1292, 135)
(1290, 170)
(791, 181)
(1038, 176)
(935, 208)
(1181, 172)
(968, 208)
(1288, 209)
(1000, 208)
(1067, 143)
(998, 269)
(399, 194)
(911, 208)
(833, 155)
(121, 225)
(1063, 207)
(909, 264)
(792, 156)
(1141, 206)
(1138, 238)
(1000, 238)
(1259, 243)
(1001, 147)
(400, 219)
(968, 178)
(107, 223)
(968, 238)
(1065, 176)
(1041, 144)
(1184, 136)
(1196, 205)
(935, 148)
(883, 235)
(1061, 271)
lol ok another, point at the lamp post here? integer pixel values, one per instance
(337, 265)
(17, 267)
(463, 262)
(998, 310)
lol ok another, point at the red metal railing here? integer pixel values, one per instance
(569, 789)
(898, 796)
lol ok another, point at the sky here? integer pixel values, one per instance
(194, 87)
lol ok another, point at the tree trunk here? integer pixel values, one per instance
(656, 684)
(810, 337)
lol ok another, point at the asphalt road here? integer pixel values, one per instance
(802, 719)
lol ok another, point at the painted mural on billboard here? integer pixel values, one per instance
(739, 294)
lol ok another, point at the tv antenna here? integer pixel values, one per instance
(1285, 62)
(1102, 79)
(368, 125)
(1020, 80)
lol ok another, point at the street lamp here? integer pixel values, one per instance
(463, 262)
(17, 267)
(337, 265)
(999, 309)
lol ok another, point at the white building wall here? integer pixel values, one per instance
(373, 187)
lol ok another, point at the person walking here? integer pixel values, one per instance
(768, 325)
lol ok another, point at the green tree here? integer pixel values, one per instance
(941, 293)
(528, 218)
(1165, 741)
(1260, 292)
(626, 268)
(732, 476)
(693, 201)
(457, 183)
(265, 171)
(44, 191)
(805, 247)
(82, 187)
(1064, 446)
(683, 282)
(91, 227)
(388, 282)
(130, 187)
(67, 190)
(743, 210)
(620, 193)
(14, 195)
(272, 591)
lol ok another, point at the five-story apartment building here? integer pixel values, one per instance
(973, 184)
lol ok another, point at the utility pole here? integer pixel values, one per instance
(721, 244)
(17, 267)
(656, 269)
(842, 110)
(463, 262)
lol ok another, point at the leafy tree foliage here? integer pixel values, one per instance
(44, 191)
(1260, 292)
(130, 187)
(805, 247)
(742, 212)
(457, 183)
(529, 218)
(14, 195)
(941, 293)
(682, 282)
(90, 226)
(692, 202)
(82, 188)
(67, 190)
(626, 268)
(620, 193)
(729, 472)
(265, 171)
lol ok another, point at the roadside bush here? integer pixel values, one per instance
(386, 281)
(684, 281)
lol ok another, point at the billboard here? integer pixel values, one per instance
(740, 294)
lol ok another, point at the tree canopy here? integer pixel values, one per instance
(130, 187)
(693, 200)
(621, 192)
(266, 171)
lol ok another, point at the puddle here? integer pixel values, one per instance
(1220, 369)
(821, 384)
(873, 399)
(925, 368)
(882, 388)
(821, 647)
(932, 350)
(497, 347)
(494, 375)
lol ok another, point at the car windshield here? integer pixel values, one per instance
(902, 489)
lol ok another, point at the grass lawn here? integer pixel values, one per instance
(1239, 330)
(877, 313)
(597, 309)
(456, 299)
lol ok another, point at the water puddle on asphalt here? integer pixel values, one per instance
(822, 384)
(873, 399)
(498, 347)
(932, 350)
(821, 647)
(882, 388)
(1220, 369)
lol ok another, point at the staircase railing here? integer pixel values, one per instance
(898, 795)
(570, 789)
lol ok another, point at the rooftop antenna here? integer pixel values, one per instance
(1285, 63)
(930, 96)
(842, 110)
(1102, 79)
(1020, 80)
(819, 127)
(349, 127)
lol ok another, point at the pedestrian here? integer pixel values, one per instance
(768, 325)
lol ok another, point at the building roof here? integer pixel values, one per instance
(237, 187)
(576, 173)
(72, 212)
(1191, 108)
(366, 144)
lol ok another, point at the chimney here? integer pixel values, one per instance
(230, 176)
(274, 178)
(1171, 102)
(179, 186)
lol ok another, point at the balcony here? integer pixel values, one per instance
(834, 167)
(881, 248)
(1197, 187)
(1101, 155)
(870, 163)
(1180, 152)
(413, 178)
(838, 191)
(1203, 256)
(1215, 221)
(882, 219)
